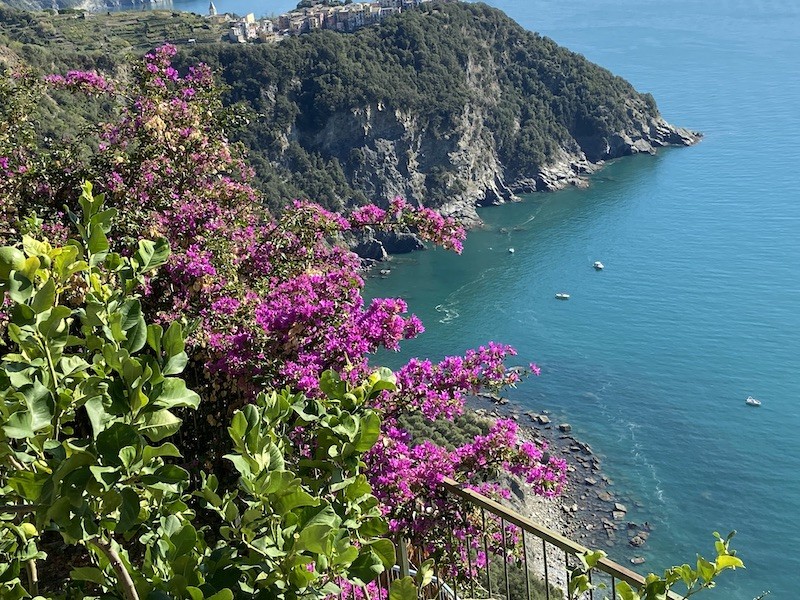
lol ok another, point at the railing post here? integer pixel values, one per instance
(402, 557)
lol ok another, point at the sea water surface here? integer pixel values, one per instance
(698, 307)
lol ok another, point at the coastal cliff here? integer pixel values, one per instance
(452, 106)
(398, 155)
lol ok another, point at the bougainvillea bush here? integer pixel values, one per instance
(275, 342)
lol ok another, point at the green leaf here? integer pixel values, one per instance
(425, 573)
(166, 477)
(29, 267)
(154, 335)
(40, 404)
(168, 449)
(294, 499)
(195, 593)
(64, 261)
(159, 425)
(315, 534)
(332, 385)
(98, 416)
(345, 556)
(105, 476)
(173, 342)
(729, 562)
(626, 592)
(54, 325)
(359, 488)
(19, 426)
(128, 456)
(403, 589)
(11, 259)
(382, 379)
(28, 485)
(34, 247)
(184, 540)
(20, 287)
(15, 591)
(92, 574)
(39, 413)
(128, 511)
(97, 245)
(374, 527)
(385, 550)
(174, 394)
(367, 566)
(369, 432)
(134, 326)
(151, 255)
(175, 364)
(225, 594)
(71, 365)
(240, 464)
(45, 297)
(111, 441)
(706, 569)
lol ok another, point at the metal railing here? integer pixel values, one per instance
(534, 565)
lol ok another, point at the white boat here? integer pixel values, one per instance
(752, 401)
(562, 296)
(598, 265)
(511, 251)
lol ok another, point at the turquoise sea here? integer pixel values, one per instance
(699, 304)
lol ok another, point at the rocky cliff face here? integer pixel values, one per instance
(391, 152)
(537, 118)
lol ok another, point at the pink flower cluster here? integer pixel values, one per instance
(406, 478)
(439, 390)
(87, 82)
(427, 223)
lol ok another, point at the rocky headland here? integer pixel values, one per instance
(398, 154)
(451, 106)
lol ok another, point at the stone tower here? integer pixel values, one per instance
(212, 10)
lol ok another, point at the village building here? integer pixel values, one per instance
(345, 18)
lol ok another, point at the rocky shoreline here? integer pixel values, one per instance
(590, 511)
(571, 167)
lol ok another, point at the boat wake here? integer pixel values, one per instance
(450, 314)
(640, 458)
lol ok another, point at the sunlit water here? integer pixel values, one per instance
(699, 304)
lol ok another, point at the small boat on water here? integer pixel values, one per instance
(752, 401)
(562, 296)
(598, 265)
(511, 251)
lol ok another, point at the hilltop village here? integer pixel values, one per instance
(311, 15)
